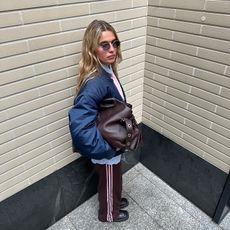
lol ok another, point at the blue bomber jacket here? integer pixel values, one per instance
(86, 138)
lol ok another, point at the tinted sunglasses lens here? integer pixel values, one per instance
(105, 46)
(116, 44)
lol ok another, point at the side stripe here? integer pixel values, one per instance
(109, 192)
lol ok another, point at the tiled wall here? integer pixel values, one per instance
(187, 76)
(39, 52)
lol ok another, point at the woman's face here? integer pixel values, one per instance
(107, 48)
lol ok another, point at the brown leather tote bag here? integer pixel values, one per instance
(117, 124)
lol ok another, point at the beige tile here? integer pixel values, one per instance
(11, 173)
(12, 123)
(218, 6)
(174, 65)
(153, 112)
(13, 49)
(23, 140)
(10, 19)
(83, 21)
(195, 81)
(192, 99)
(180, 126)
(59, 123)
(228, 71)
(140, 41)
(156, 69)
(54, 13)
(202, 41)
(24, 4)
(32, 165)
(57, 64)
(36, 104)
(158, 51)
(3, 116)
(61, 140)
(55, 39)
(189, 115)
(161, 12)
(131, 13)
(154, 2)
(198, 62)
(216, 32)
(170, 98)
(155, 85)
(122, 26)
(133, 52)
(58, 86)
(213, 98)
(139, 22)
(224, 112)
(184, 4)
(98, 7)
(220, 147)
(4, 158)
(221, 130)
(66, 153)
(137, 3)
(151, 40)
(212, 55)
(209, 133)
(149, 97)
(170, 130)
(47, 170)
(132, 34)
(152, 21)
(131, 70)
(43, 140)
(60, 2)
(170, 82)
(210, 116)
(54, 107)
(176, 46)
(16, 75)
(37, 124)
(149, 60)
(31, 83)
(19, 98)
(28, 31)
(207, 149)
(225, 92)
(65, 161)
(159, 32)
(14, 189)
(7, 136)
(31, 58)
(212, 77)
(33, 154)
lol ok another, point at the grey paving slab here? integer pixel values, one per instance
(225, 223)
(63, 224)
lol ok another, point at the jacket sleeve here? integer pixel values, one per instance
(85, 135)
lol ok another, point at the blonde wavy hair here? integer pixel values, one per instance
(89, 65)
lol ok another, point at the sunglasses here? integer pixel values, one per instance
(106, 45)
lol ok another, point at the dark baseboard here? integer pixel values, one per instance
(48, 200)
(196, 179)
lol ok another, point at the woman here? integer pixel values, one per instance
(98, 80)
